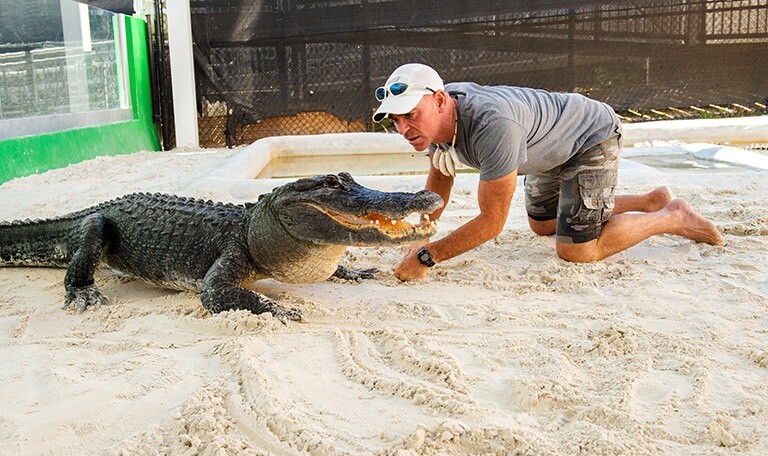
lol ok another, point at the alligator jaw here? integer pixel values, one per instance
(394, 228)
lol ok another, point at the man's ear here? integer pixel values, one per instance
(442, 100)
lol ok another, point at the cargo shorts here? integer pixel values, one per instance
(579, 193)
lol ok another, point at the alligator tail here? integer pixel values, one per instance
(49, 242)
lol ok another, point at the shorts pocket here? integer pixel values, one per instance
(596, 189)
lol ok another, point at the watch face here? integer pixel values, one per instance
(425, 257)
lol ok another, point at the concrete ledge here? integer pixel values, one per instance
(739, 129)
(249, 163)
(238, 176)
(239, 173)
(704, 151)
(728, 154)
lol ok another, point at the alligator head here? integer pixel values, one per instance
(336, 210)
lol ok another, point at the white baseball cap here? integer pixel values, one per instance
(404, 89)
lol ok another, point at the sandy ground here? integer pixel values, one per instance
(506, 349)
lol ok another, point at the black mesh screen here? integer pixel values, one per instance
(299, 67)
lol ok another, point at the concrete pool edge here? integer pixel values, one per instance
(238, 175)
(241, 170)
(248, 163)
(704, 151)
(736, 129)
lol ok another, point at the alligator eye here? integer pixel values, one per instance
(332, 181)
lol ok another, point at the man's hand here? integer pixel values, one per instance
(494, 198)
(409, 267)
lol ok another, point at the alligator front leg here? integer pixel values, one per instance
(221, 291)
(358, 275)
(81, 292)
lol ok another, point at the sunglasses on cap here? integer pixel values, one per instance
(397, 89)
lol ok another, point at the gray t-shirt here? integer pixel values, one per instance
(501, 128)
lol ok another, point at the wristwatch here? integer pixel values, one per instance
(425, 257)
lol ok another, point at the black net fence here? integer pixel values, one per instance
(281, 67)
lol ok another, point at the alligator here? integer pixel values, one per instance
(297, 233)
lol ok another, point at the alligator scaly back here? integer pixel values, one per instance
(53, 242)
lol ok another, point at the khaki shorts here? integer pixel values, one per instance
(579, 193)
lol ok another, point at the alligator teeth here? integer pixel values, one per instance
(414, 223)
(414, 218)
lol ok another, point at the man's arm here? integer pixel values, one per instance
(441, 184)
(494, 198)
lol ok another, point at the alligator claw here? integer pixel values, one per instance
(285, 315)
(358, 275)
(369, 273)
(81, 298)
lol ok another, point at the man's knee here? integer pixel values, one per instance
(585, 252)
(543, 227)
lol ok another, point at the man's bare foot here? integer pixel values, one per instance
(659, 198)
(693, 226)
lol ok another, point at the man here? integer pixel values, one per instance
(567, 145)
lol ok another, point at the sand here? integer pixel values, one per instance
(662, 349)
